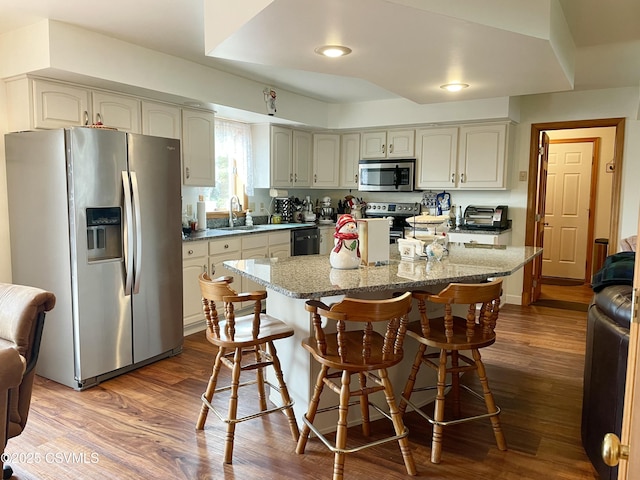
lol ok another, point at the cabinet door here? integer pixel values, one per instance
(326, 239)
(259, 252)
(326, 160)
(349, 156)
(437, 154)
(57, 105)
(198, 148)
(191, 297)
(302, 164)
(481, 160)
(117, 111)
(280, 244)
(281, 157)
(373, 145)
(400, 143)
(161, 120)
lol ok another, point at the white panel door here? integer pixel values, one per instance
(567, 210)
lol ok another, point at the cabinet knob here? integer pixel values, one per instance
(226, 245)
(384, 148)
(453, 178)
(391, 148)
(190, 252)
(98, 119)
(86, 117)
(187, 172)
(462, 178)
(204, 268)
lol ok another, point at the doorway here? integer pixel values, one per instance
(569, 214)
(538, 183)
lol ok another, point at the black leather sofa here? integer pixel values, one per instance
(605, 369)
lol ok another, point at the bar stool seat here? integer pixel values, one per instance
(241, 343)
(449, 335)
(356, 349)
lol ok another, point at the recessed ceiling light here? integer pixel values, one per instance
(454, 87)
(333, 51)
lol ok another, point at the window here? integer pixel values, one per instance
(233, 165)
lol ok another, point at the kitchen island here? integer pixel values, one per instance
(291, 281)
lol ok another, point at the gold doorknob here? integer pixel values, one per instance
(613, 451)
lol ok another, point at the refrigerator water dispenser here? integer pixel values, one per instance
(104, 234)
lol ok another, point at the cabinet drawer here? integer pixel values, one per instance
(255, 241)
(278, 238)
(483, 239)
(194, 249)
(227, 245)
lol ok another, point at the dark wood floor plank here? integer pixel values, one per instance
(141, 425)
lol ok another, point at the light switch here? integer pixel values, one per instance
(523, 176)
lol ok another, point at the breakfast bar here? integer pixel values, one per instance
(290, 282)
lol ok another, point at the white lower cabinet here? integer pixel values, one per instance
(194, 262)
(326, 238)
(503, 238)
(280, 244)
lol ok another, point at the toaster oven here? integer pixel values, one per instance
(487, 218)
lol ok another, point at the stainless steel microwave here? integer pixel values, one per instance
(395, 175)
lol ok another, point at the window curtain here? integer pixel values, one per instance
(233, 147)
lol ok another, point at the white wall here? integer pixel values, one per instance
(72, 52)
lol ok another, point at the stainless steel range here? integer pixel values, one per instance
(396, 212)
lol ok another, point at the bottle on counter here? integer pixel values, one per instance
(459, 217)
(248, 219)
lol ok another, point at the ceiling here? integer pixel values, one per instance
(401, 48)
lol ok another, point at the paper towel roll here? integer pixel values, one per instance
(201, 215)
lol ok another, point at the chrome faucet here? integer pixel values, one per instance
(233, 199)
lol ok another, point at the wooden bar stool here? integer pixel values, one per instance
(363, 352)
(450, 334)
(237, 338)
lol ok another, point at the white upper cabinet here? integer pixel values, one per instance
(469, 157)
(117, 111)
(302, 159)
(40, 104)
(387, 144)
(326, 160)
(161, 120)
(349, 157)
(290, 159)
(482, 156)
(281, 157)
(437, 157)
(198, 148)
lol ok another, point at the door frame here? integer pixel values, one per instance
(532, 188)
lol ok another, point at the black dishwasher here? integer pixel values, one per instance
(305, 241)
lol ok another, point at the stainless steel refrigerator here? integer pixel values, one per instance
(95, 217)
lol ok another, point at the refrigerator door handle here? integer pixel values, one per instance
(138, 252)
(128, 254)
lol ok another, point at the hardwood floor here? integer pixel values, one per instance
(142, 425)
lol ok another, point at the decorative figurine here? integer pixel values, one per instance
(346, 251)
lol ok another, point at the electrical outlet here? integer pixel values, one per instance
(523, 176)
(261, 206)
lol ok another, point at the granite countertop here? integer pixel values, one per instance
(311, 276)
(212, 233)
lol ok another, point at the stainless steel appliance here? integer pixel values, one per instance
(486, 218)
(95, 218)
(396, 212)
(395, 175)
(305, 241)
